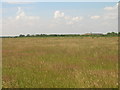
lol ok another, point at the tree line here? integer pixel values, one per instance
(69, 35)
(109, 34)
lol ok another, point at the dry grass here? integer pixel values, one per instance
(60, 62)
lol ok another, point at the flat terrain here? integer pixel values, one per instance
(60, 62)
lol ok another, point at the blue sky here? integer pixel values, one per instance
(46, 9)
(58, 17)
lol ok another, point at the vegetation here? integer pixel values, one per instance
(72, 62)
(73, 35)
(109, 34)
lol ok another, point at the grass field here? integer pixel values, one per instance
(60, 62)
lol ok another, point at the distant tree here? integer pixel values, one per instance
(112, 33)
(37, 35)
(108, 33)
(28, 35)
(119, 33)
(21, 35)
(16, 37)
(32, 35)
(43, 35)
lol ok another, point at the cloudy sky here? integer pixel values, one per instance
(58, 17)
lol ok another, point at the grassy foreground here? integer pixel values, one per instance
(60, 62)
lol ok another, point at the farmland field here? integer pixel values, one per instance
(60, 62)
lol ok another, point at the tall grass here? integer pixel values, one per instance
(60, 62)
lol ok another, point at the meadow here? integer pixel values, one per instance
(60, 62)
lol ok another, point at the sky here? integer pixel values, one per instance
(58, 17)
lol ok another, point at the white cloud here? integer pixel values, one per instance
(67, 19)
(95, 17)
(111, 12)
(109, 16)
(112, 8)
(58, 14)
(61, 23)
(21, 23)
(21, 15)
(73, 20)
(77, 18)
(19, 10)
(109, 8)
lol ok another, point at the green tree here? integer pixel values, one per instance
(28, 35)
(21, 35)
